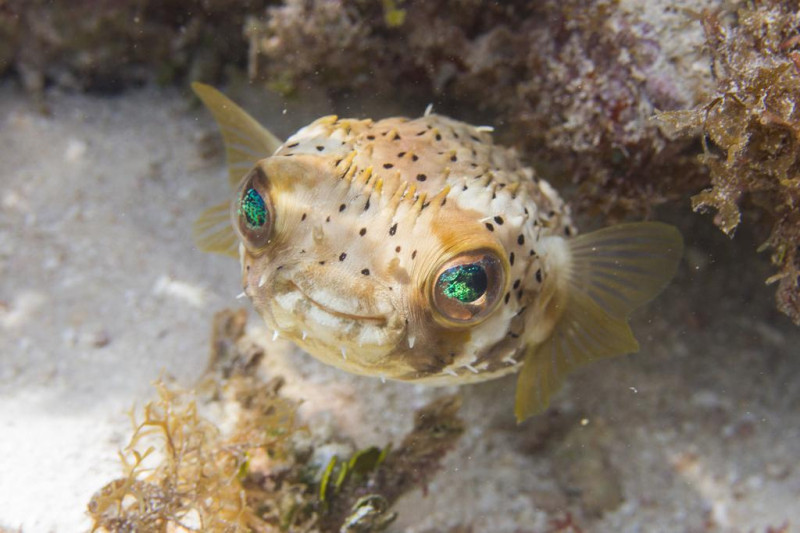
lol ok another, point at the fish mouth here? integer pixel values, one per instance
(375, 319)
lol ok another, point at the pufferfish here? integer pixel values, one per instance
(417, 250)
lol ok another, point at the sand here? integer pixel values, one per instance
(102, 291)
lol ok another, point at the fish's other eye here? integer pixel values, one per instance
(467, 288)
(252, 210)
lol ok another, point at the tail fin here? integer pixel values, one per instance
(611, 272)
(246, 143)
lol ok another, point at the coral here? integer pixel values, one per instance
(576, 83)
(106, 45)
(184, 473)
(751, 128)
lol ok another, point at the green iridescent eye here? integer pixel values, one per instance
(465, 283)
(467, 288)
(253, 209)
(253, 215)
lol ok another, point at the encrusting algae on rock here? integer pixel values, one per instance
(417, 250)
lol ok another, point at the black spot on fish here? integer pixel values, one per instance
(342, 207)
(320, 148)
(438, 137)
(521, 239)
(516, 284)
(293, 145)
(366, 205)
(342, 256)
(365, 272)
(539, 276)
(453, 158)
(322, 263)
(302, 218)
(397, 249)
(413, 254)
(388, 165)
(499, 220)
(511, 258)
(401, 154)
(414, 157)
(362, 231)
(507, 297)
(328, 218)
(421, 177)
(489, 226)
(393, 229)
(370, 137)
(567, 231)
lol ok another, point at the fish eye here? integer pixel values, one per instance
(467, 288)
(252, 210)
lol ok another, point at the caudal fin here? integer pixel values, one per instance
(246, 143)
(611, 272)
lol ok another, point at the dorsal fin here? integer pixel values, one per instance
(246, 143)
(609, 273)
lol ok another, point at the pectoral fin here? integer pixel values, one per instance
(610, 273)
(246, 143)
(213, 231)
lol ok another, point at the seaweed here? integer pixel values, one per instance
(751, 131)
(182, 472)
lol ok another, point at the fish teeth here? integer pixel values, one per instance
(241, 295)
(344, 354)
(450, 372)
(471, 369)
(411, 341)
(304, 335)
(275, 335)
(428, 110)
(262, 280)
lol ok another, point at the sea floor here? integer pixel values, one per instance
(102, 292)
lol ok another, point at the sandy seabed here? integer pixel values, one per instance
(102, 291)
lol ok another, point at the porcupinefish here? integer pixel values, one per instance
(417, 250)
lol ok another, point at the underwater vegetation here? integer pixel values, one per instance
(182, 472)
(750, 128)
